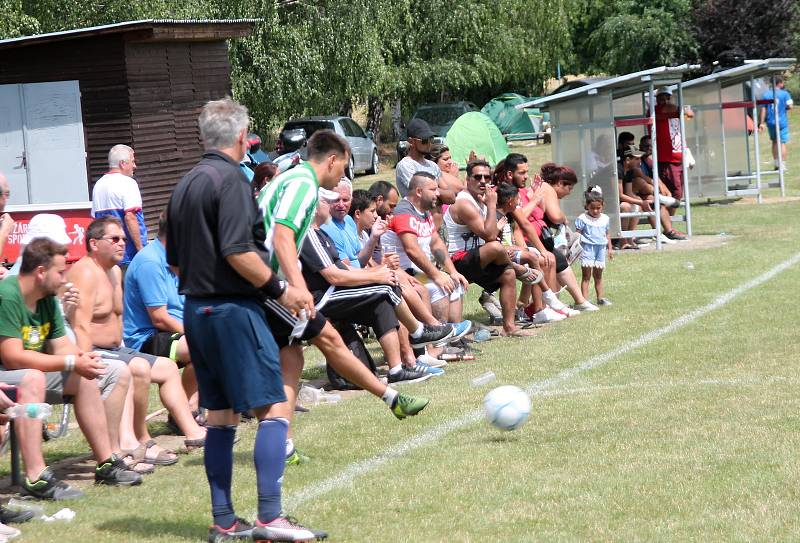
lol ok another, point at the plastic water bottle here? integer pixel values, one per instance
(483, 379)
(16, 504)
(316, 396)
(29, 410)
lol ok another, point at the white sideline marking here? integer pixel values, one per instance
(346, 476)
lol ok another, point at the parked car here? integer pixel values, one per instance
(440, 117)
(364, 155)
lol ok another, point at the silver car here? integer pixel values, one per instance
(364, 156)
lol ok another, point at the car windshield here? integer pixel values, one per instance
(309, 126)
(441, 115)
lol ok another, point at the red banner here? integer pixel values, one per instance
(77, 221)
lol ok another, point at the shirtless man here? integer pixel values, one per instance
(98, 326)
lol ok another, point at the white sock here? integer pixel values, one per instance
(418, 332)
(289, 446)
(389, 396)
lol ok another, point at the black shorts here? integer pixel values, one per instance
(561, 258)
(283, 323)
(163, 344)
(370, 305)
(468, 264)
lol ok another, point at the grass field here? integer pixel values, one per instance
(672, 415)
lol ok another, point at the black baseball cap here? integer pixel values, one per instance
(417, 128)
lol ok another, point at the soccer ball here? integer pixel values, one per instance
(507, 407)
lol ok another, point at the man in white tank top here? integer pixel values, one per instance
(473, 232)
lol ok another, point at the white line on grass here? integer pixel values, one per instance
(356, 469)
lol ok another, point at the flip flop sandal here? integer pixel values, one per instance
(163, 458)
(530, 276)
(140, 467)
(192, 444)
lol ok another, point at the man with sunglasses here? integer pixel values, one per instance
(420, 139)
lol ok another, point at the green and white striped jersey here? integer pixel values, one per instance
(291, 200)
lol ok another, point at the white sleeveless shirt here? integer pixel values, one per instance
(459, 236)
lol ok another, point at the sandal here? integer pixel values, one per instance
(192, 444)
(163, 458)
(140, 467)
(530, 276)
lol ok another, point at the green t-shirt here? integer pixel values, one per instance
(33, 328)
(291, 200)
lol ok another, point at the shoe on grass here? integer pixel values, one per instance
(284, 529)
(460, 329)
(664, 239)
(240, 531)
(547, 315)
(585, 306)
(48, 487)
(431, 361)
(433, 334)
(114, 472)
(406, 375)
(10, 516)
(604, 301)
(296, 458)
(566, 311)
(492, 307)
(675, 235)
(408, 406)
(422, 367)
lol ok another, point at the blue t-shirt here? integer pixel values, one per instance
(593, 231)
(345, 237)
(783, 98)
(148, 283)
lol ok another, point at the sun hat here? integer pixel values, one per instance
(46, 225)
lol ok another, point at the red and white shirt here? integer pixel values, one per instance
(408, 219)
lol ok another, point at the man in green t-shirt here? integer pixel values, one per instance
(37, 356)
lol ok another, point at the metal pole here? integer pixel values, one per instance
(722, 133)
(656, 184)
(778, 134)
(755, 133)
(684, 169)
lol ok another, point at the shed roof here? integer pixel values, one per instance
(623, 85)
(148, 30)
(751, 68)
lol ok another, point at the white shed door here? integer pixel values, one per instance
(12, 144)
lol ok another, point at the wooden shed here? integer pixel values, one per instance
(67, 97)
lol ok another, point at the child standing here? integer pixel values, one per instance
(595, 241)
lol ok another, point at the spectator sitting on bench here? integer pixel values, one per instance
(153, 313)
(98, 325)
(473, 231)
(45, 365)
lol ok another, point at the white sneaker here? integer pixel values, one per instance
(586, 306)
(431, 361)
(664, 239)
(567, 311)
(669, 201)
(8, 532)
(547, 315)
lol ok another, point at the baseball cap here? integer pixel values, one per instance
(417, 128)
(664, 90)
(46, 225)
(633, 151)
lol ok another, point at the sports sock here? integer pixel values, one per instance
(289, 446)
(418, 332)
(389, 396)
(270, 460)
(218, 460)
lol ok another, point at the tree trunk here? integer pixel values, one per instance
(374, 117)
(396, 120)
(346, 108)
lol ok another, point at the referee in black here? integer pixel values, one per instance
(215, 245)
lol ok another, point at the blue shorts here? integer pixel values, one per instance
(233, 352)
(784, 133)
(593, 255)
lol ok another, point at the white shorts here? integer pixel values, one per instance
(438, 294)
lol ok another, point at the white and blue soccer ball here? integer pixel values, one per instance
(507, 407)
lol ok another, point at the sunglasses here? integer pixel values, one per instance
(482, 176)
(115, 239)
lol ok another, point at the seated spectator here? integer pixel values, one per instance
(386, 198)
(624, 140)
(264, 173)
(440, 155)
(45, 365)
(341, 228)
(420, 143)
(255, 152)
(412, 234)
(646, 147)
(153, 312)
(558, 183)
(473, 232)
(369, 226)
(368, 296)
(98, 326)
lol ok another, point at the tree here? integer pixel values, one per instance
(756, 28)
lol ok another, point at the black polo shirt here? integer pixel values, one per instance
(212, 214)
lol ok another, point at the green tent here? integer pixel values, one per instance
(509, 119)
(475, 131)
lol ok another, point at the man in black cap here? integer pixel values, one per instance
(420, 139)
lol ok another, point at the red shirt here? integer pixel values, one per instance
(668, 137)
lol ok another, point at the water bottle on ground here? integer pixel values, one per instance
(316, 396)
(16, 504)
(483, 379)
(29, 410)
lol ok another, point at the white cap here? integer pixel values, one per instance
(664, 90)
(328, 194)
(46, 225)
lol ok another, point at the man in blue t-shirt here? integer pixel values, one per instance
(153, 310)
(785, 103)
(342, 228)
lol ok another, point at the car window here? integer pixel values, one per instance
(309, 126)
(352, 129)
